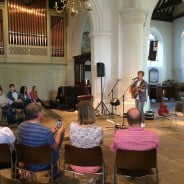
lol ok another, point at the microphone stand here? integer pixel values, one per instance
(123, 126)
(112, 93)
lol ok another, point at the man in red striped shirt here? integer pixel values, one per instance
(135, 137)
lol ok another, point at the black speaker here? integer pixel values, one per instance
(100, 70)
(153, 50)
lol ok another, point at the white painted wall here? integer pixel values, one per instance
(178, 63)
(46, 77)
(166, 31)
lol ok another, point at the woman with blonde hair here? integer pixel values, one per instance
(85, 133)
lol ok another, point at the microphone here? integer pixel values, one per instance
(135, 78)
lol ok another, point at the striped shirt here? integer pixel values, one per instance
(35, 134)
(134, 138)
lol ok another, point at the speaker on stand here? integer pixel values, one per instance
(101, 106)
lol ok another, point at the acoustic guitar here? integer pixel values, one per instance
(134, 90)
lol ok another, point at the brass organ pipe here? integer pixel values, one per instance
(18, 24)
(9, 23)
(28, 26)
(37, 31)
(23, 15)
(16, 37)
(57, 39)
(41, 24)
(13, 20)
(45, 24)
(20, 28)
(31, 27)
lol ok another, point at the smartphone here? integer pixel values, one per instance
(59, 123)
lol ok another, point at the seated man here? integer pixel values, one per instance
(6, 137)
(14, 97)
(32, 133)
(7, 110)
(135, 137)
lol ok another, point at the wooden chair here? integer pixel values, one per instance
(34, 155)
(135, 164)
(84, 157)
(6, 156)
(179, 111)
(5, 180)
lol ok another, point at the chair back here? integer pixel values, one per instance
(5, 180)
(6, 155)
(136, 160)
(83, 156)
(179, 107)
(33, 155)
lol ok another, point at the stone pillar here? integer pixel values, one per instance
(132, 22)
(101, 52)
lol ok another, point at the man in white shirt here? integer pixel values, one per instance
(6, 137)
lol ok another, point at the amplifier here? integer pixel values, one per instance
(149, 115)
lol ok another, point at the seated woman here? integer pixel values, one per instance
(34, 96)
(85, 133)
(24, 96)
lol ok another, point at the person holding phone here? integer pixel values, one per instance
(40, 135)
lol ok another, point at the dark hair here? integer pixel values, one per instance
(22, 89)
(86, 113)
(136, 119)
(32, 111)
(33, 88)
(141, 72)
(11, 85)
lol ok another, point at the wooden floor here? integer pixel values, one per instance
(171, 152)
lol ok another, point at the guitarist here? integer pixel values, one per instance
(138, 91)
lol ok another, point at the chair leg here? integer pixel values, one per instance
(115, 175)
(103, 175)
(156, 176)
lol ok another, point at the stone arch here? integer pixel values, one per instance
(95, 25)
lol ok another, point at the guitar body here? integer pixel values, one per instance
(134, 91)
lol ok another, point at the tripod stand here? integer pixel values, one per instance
(102, 105)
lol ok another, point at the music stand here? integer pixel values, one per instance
(104, 108)
(112, 94)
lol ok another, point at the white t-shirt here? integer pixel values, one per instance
(6, 136)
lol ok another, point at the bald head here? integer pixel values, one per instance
(134, 116)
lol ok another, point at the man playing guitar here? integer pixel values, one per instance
(138, 91)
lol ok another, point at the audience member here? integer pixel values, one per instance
(6, 137)
(34, 96)
(14, 97)
(85, 133)
(135, 137)
(7, 110)
(24, 96)
(32, 133)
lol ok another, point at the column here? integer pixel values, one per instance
(101, 52)
(132, 22)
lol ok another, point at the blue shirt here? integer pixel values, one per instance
(35, 134)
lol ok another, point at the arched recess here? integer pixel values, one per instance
(74, 36)
(159, 64)
(181, 50)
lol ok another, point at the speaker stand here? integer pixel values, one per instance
(101, 106)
